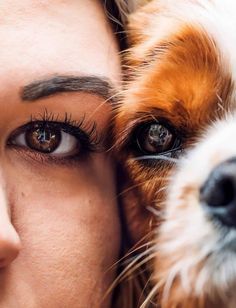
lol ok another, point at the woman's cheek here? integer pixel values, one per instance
(68, 222)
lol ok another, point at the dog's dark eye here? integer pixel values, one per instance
(154, 138)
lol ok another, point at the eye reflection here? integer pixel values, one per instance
(155, 138)
(42, 139)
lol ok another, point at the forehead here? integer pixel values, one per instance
(186, 72)
(55, 37)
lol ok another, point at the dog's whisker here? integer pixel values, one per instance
(146, 288)
(151, 295)
(123, 274)
(169, 282)
(155, 211)
(132, 251)
(134, 260)
(140, 185)
(149, 257)
(128, 272)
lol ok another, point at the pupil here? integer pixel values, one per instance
(44, 136)
(159, 135)
(43, 139)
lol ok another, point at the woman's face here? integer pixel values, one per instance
(59, 225)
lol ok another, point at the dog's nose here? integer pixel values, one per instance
(218, 193)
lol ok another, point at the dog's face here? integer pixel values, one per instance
(176, 136)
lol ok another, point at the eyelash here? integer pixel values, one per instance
(84, 131)
(82, 128)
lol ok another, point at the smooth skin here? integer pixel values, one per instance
(59, 222)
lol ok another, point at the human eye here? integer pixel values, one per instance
(51, 138)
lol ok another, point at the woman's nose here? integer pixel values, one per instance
(9, 239)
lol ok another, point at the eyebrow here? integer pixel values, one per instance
(58, 84)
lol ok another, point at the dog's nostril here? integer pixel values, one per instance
(219, 191)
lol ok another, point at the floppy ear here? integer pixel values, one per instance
(135, 217)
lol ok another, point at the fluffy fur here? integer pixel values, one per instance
(181, 67)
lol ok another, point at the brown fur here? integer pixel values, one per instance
(186, 92)
(177, 75)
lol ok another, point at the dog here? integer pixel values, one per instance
(175, 131)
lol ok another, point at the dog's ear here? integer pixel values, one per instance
(136, 218)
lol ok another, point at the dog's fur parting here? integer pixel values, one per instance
(181, 67)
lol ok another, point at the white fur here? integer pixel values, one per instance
(191, 240)
(199, 239)
(196, 237)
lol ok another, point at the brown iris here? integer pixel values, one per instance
(155, 138)
(43, 138)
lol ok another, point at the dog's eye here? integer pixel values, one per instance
(154, 138)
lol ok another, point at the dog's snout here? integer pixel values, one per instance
(218, 193)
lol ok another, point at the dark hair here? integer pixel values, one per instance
(114, 15)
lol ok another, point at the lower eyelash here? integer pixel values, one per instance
(45, 159)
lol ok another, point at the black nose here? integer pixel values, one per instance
(218, 193)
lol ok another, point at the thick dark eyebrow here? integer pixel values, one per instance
(57, 84)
